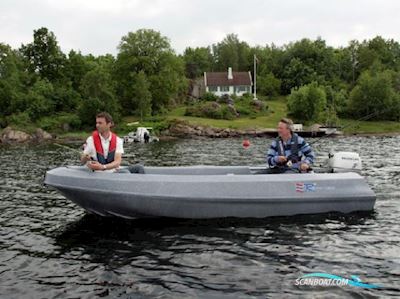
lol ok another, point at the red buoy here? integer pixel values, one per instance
(246, 143)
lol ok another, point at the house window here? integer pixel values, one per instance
(224, 88)
(212, 88)
(241, 88)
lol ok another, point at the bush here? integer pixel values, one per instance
(229, 112)
(337, 101)
(20, 119)
(269, 85)
(209, 97)
(60, 123)
(307, 102)
(374, 94)
(226, 99)
(244, 106)
(90, 107)
(39, 99)
(259, 105)
(244, 111)
(212, 110)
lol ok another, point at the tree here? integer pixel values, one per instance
(98, 94)
(268, 85)
(148, 51)
(336, 100)
(197, 61)
(39, 100)
(77, 66)
(297, 74)
(307, 102)
(375, 96)
(231, 52)
(142, 95)
(305, 61)
(44, 56)
(11, 81)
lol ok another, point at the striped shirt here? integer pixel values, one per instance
(304, 150)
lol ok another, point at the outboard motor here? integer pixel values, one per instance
(344, 162)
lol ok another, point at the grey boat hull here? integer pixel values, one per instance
(210, 192)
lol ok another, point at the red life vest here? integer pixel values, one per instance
(99, 148)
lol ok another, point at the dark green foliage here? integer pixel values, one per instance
(41, 86)
(374, 94)
(307, 102)
(239, 107)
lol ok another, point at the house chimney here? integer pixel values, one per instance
(230, 75)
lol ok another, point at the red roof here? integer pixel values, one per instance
(221, 79)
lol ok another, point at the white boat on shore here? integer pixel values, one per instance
(142, 134)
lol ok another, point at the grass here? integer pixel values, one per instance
(277, 109)
(369, 127)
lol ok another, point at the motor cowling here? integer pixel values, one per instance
(344, 162)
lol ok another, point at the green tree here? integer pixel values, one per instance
(11, 81)
(39, 100)
(77, 66)
(98, 94)
(374, 95)
(268, 85)
(231, 52)
(336, 100)
(142, 95)
(297, 74)
(307, 102)
(44, 56)
(148, 51)
(305, 61)
(197, 61)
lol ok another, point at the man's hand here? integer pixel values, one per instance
(85, 158)
(304, 167)
(94, 165)
(282, 159)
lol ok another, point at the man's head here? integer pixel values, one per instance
(104, 122)
(285, 128)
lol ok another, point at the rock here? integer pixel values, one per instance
(41, 135)
(260, 105)
(226, 99)
(209, 132)
(10, 135)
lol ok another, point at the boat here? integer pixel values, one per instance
(142, 135)
(201, 192)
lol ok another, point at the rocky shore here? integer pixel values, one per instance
(10, 135)
(182, 129)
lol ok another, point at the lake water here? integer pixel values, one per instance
(49, 247)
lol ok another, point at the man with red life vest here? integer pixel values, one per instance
(104, 149)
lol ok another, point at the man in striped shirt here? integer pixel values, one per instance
(287, 151)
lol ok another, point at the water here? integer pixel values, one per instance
(49, 248)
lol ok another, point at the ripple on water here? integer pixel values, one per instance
(50, 248)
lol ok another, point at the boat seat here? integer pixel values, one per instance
(199, 170)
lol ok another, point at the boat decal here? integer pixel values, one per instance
(305, 187)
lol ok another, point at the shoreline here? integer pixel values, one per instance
(181, 131)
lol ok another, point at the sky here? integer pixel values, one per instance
(96, 26)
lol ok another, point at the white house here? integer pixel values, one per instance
(220, 83)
